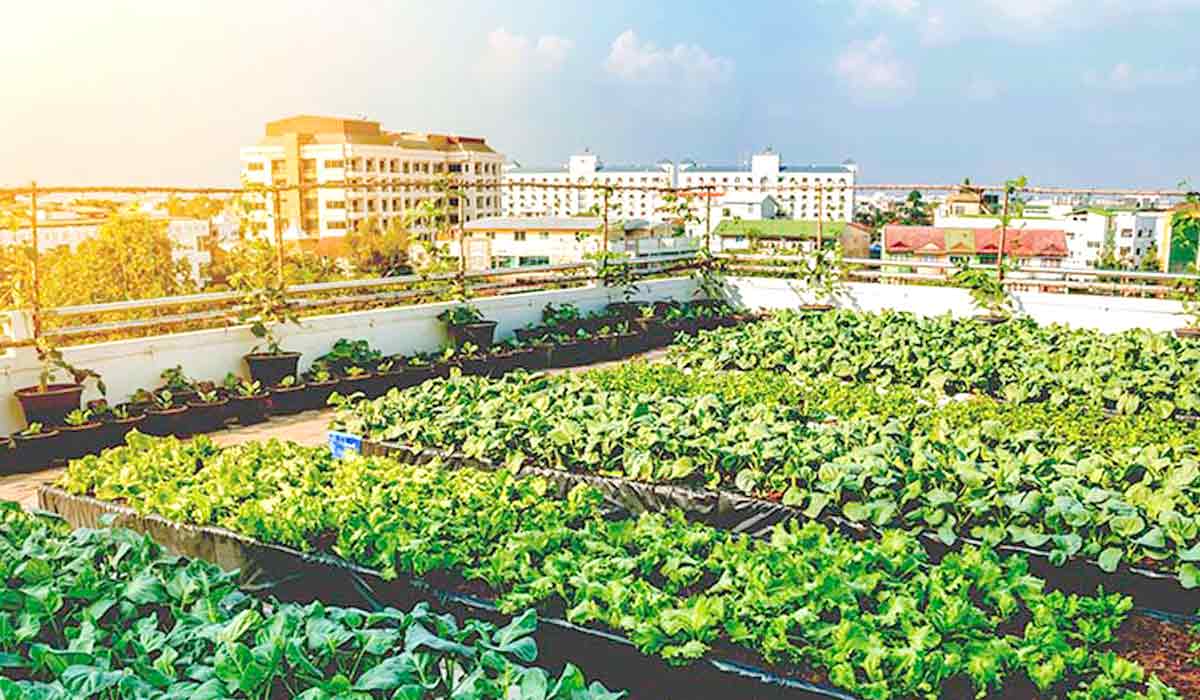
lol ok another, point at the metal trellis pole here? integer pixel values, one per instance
(820, 215)
(708, 218)
(35, 262)
(278, 237)
(604, 242)
(1003, 235)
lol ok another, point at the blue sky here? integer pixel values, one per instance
(1068, 92)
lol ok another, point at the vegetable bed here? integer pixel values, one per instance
(1019, 361)
(1121, 492)
(105, 614)
(874, 618)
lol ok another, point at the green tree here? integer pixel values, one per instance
(915, 211)
(1149, 261)
(379, 250)
(129, 258)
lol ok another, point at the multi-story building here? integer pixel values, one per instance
(800, 191)
(525, 241)
(1027, 247)
(805, 192)
(1131, 234)
(577, 188)
(402, 169)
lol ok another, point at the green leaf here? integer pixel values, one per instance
(1110, 559)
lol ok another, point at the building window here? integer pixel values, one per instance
(334, 163)
(528, 260)
(335, 224)
(254, 166)
(518, 235)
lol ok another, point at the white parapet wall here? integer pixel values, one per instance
(1103, 313)
(128, 365)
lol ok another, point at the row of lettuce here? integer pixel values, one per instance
(1019, 361)
(105, 614)
(876, 618)
(1072, 482)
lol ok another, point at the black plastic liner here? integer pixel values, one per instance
(1153, 590)
(291, 575)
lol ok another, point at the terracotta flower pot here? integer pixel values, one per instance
(250, 410)
(168, 421)
(35, 452)
(116, 429)
(480, 334)
(49, 407)
(318, 394)
(348, 386)
(7, 456)
(207, 417)
(80, 440)
(270, 369)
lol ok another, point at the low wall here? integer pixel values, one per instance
(127, 365)
(1103, 313)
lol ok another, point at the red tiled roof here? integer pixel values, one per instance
(1021, 243)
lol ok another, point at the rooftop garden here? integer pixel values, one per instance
(825, 501)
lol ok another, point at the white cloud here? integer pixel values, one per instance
(510, 52)
(982, 89)
(872, 71)
(632, 59)
(946, 21)
(1125, 76)
(863, 8)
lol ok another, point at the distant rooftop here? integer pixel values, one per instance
(782, 228)
(745, 168)
(601, 168)
(318, 129)
(552, 223)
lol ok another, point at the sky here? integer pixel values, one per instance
(1066, 92)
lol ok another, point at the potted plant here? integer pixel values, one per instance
(289, 397)
(250, 403)
(36, 447)
(418, 369)
(562, 318)
(650, 323)
(207, 411)
(166, 417)
(81, 434)
(1190, 296)
(7, 455)
(141, 401)
(265, 309)
(465, 324)
(681, 319)
(822, 277)
(321, 385)
(389, 374)
(471, 360)
(355, 380)
(350, 353)
(47, 402)
(987, 292)
(122, 421)
(182, 389)
(622, 342)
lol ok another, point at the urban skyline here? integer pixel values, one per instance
(924, 89)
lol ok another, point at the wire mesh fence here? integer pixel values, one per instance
(426, 257)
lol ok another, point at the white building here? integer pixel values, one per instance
(805, 192)
(522, 196)
(307, 150)
(798, 190)
(506, 241)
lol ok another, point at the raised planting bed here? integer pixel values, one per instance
(804, 603)
(127, 620)
(962, 471)
(1020, 361)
